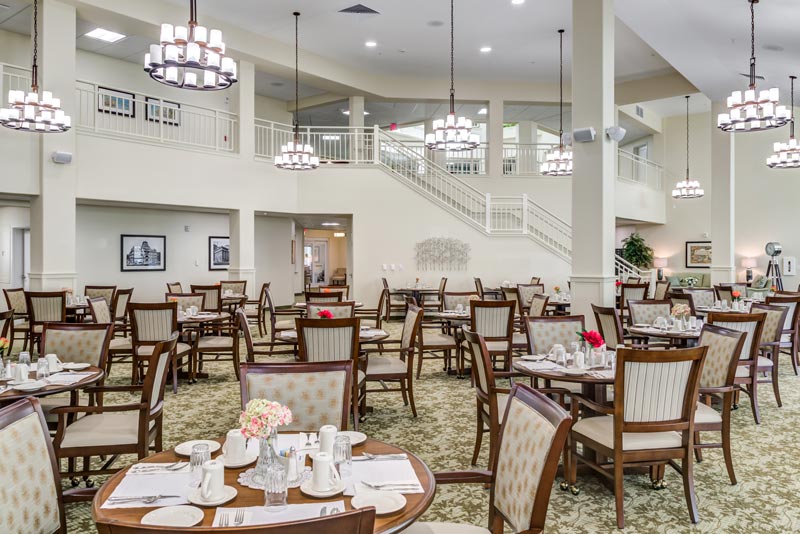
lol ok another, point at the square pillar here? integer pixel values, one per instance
(247, 109)
(723, 200)
(242, 231)
(527, 137)
(494, 133)
(593, 182)
(356, 120)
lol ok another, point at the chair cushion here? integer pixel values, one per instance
(502, 400)
(120, 343)
(22, 325)
(444, 528)
(744, 370)
(706, 414)
(383, 365)
(601, 430)
(519, 340)
(147, 350)
(437, 339)
(284, 325)
(215, 342)
(114, 428)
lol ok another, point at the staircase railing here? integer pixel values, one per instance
(624, 269)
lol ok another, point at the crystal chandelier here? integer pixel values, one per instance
(296, 155)
(31, 112)
(452, 134)
(753, 110)
(190, 57)
(687, 188)
(558, 162)
(786, 155)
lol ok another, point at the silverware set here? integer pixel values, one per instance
(367, 456)
(392, 486)
(144, 468)
(225, 518)
(146, 499)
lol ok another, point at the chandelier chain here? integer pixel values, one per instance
(687, 137)
(296, 74)
(561, 88)
(35, 66)
(791, 109)
(752, 44)
(452, 58)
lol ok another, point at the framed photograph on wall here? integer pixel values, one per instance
(143, 252)
(219, 253)
(116, 102)
(698, 254)
(171, 110)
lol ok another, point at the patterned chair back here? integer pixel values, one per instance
(536, 279)
(107, 292)
(724, 346)
(236, 287)
(442, 285)
(46, 306)
(662, 288)
(339, 310)
(328, 340)
(633, 279)
(121, 299)
(6, 318)
(509, 293)
(646, 311)
(533, 435)
(682, 298)
(78, 343)
(30, 469)
(793, 314)
(634, 291)
(609, 325)
(15, 298)
(750, 323)
(702, 297)
(186, 300)
(411, 326)
(482, 368)
(332, 296)
(101, 312)
(152, 323)
(544, 332)
(213, 301)
(724, 292)
(343, 289)
(525, 293)
(538, 305)
(494, 320)
(317, 393)
(451, 301)
(774, 319)
(174, 287)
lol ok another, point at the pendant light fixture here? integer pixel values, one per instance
(558, 162)
(295, 155)
(687, 188)
(32, 112)
(190, 57)
(753, 110)
(786, 155)
(452, 134)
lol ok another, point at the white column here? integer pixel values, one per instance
(247, 109)
(723, 197)
(356, 106)
(593, 179)
(53, 242)
(242, 229)
(527, 134)
(494, 133)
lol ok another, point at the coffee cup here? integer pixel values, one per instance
(324, 476)
(21, 373)
(235, 448)
(327, 435)
(213, 482)
(53, 363)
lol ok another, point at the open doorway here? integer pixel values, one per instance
(315, 261)
(21, 258)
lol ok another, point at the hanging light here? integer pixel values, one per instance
(451, 133)
(190, 57)
(296, 155)
(34, 112)
(752, 110)
(787, 155)
(687, 188)
(558, 162)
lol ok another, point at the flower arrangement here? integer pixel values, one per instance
(326, 290)
(260, 417)
(325, 314)
(3, 345)
(690, 281)
(774, 289)
(736, 295)
(592, 337)
(557, 289)
(681, 310)
(67, 290)
(173, 299)
(618, 283)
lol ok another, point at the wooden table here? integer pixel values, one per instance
(303, 305)
(361, 338)
(417, 292)
(416, 505)
(592, 387)
(686, 338)
(11, 395)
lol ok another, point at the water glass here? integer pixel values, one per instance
(693, 322)
(42, 369)
(343, 456)
(574, 347)
(25, 357)
(276, 490)
(611, 360)
(200, 455)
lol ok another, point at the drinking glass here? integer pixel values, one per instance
(561, 356)
(574, 347)
(660, 323)
(693, 322)
(611, 359)
(200, 455)
(343, 456)
(25, 357)
(276, 490)
(42, 369)
(724, 304)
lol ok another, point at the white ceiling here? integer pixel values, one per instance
(670, 107)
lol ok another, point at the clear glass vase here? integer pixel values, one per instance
(266, 456)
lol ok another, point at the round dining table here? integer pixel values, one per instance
(678, 338)
(201, 319)
(416, 503)
(10, 394)
(290, 337)
(302, 305)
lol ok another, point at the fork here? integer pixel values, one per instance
(224, 520)
(147, 499)
(391, 486)
(239, 519)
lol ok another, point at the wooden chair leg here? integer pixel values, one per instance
(175, 374)
(726, 445)
(419, 363)
(410, 388)
(753, 389)
(698, 453)
(619, 493)
(478, 437)
(688, 486)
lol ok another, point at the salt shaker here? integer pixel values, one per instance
(291, 472)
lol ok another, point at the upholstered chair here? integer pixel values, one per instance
(174, 287)
(15, 299)
(6, 325)
(702, 298)
(789, 335)
(432, 301)
(254, 348)
(259, 313)
(769, 348)
(631, 291)
(525, 293)
(536, 280)
(151, 324)
(538, 307)
(544, 332)
(396, 300)
(682, 298)
(236, 287)
(435, 338)
(339, 310)
(373, 317)
(119, 306)
(120, 349)
(44, 307)
(494, 320)
(609, 325)
(484, 293)
(320, 297)
(186, 300)
(213, 297)
(106, 292)
(646, 311)
(451, 300)
(662, 288)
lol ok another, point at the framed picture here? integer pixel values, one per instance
(789, 265)
(219, 253)
(143, 252)
(698, 254)
(172, 111)
(116, 102)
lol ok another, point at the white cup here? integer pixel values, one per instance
(324, 476)
(327, 435)
(235, 447)
(213, 482)
(53, 363)
(21, 373)
(194, 310)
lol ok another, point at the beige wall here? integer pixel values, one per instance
(273, 259)
(11, 217)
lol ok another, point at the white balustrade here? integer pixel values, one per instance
(639, 170)
(524, 159)
(333, 144)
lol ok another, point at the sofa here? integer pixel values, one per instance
(674, 279)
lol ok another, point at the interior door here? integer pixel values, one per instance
(26, 258)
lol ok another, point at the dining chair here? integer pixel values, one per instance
(279, 325)
(725, 292)
(334, 340)
(645, 312)
(339, 310)
(186, 300)
(746, 373)
(484, 293)
(119, 305)
(770, 345)
(317, 393)
(544, 332)
(538, 307)
(217, 338)
(174, 287)
(650, 422)
(236, 287)
(259, 313)
(631, 291)
(609, 325)
(44, 307)
(107, 292)
(396, 300)
(151, 324)
(315, 296)
(633, 279)
(30, 469)
(435, 336)
(451, 300)
(494, 320)
(522, 471)
(109, 431)
(525, 293)
(343, 289)
(662, 288)
(120, 349)
(213, 297)
(536, 280)
(790, 330)
(436, 302)
(373, 317)
(509, 293)
(6, 324)
(682, 298)
(701, 297)
(15, 299)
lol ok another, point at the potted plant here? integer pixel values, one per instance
(636, 252)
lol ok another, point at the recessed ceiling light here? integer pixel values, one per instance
(435, 23)
(347, 112)
(370, 44)
(486, 49)
(105, 35)
(517, 2)
(482, 111)
(277, 84)
(330, 224)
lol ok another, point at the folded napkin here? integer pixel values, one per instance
(382, 472)
(162, 483)
(602, 373)
(539, 366)
(157, 469)
(66, 379)
(258, 515)
(289, 334)
(373, 333)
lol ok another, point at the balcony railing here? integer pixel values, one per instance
(467, 163)
(14, 78)
(639, 170)
(524, 159)
(333, 144)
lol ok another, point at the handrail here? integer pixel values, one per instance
(641, 170)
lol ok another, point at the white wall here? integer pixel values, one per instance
(273, 258)
(272, 110)
(10, 217)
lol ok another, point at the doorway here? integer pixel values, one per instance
(21, 258)
(315, 261)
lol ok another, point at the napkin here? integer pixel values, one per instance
(373, 333)
(381, 472)
(68, 378)
(257, 515)
(164, 484)
(538, 366)
(289, 334)
(156, 469)
(602, 373)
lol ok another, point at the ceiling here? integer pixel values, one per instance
(670, 107)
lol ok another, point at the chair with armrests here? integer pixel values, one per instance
(651, 421)
(396, 300)
(373, 317)
(522, 470)
(646, 312)
(399, 366)
(109, 431)
(107, 292)
(610, 326)
(790, 330)
(633, 279)
(186, 300)
(725, 291)
(233, 287)
(259, 313)
(494, 320)
(6, 327)
(254, 348)
(330, 296)
(213, 297)
(484, 293)
(437, 302)
(433, 337)
(174, 287)
(278, 324)
(220, 339)
(120, 349)
(318, 393)
(544, 332)
(770, 346)
(343, 289)
(151, 324)
(338, 310)
(630, 291)
(15, 299)
(119, 307)
(44, 307)
(701, 297)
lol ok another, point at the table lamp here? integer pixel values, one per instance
(660, 263)
(749, 264)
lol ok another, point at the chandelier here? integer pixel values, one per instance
(190, 57)
(687, 188)
(296, 155)
(31, 112)
(753, 110)
(786, 155)
(451, 133)
(558, 162)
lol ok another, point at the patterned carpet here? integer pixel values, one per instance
(765, 500)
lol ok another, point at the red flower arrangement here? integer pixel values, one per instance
(618, 283)
(592, 337)
(736, 295)
(325, 314)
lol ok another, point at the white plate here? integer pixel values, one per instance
(534, 357)
(36, 385)
(572, 371)
(228, 494)
(75, 366)
(356, 438)
(308, 489)
(642, 325)
(249, 458)
(385, 502)
(185, 448)
(174, 516)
